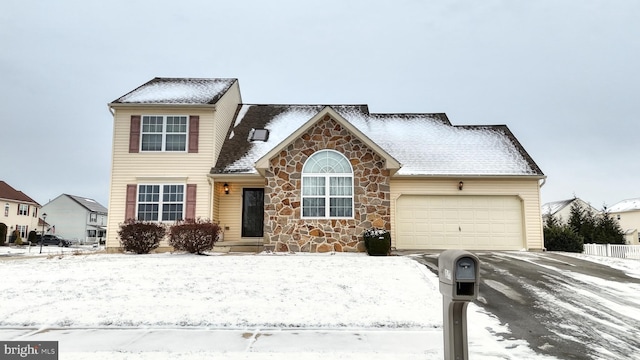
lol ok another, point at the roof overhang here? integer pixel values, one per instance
(20, 201)
(390, 163)
(470, 176)
(157, 105)
(234, 177)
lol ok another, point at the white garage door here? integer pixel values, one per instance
(459, 222)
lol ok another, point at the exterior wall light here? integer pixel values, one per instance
(226, 188)
(460, 185)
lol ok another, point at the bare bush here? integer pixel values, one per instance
(193, 236)
(141, 237)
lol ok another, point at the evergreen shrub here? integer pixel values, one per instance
(3, 233)
(33, 237)
(563, 238)
(15, 236)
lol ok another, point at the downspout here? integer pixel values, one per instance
(541, 184)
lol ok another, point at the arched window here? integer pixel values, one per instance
(327, 186)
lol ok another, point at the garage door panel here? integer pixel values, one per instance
(465, 222)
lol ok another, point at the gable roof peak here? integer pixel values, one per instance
(328, 112)
(7, 192)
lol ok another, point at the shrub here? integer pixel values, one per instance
(33, 237)
(3, 233)
(193, 236)
(14, 236)
(141, 237)
(563, 238)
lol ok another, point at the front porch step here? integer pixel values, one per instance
(239, 246)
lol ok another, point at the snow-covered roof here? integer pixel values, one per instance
(551, 208)
(425, 144)
(177, 91)
(625, 205)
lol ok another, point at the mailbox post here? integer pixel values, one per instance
(459, 273)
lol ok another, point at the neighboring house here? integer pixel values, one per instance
(77, 218)
(19, 211)
(314, 177)
(627, 212)
(561, 210)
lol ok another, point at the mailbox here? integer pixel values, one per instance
(459, 273)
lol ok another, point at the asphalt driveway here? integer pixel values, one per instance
(563, 306)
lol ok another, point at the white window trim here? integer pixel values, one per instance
(23, 208)
(160, 201)
(327, 195)
(22, 230)
(164, 134)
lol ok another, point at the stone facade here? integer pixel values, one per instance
(284, 227)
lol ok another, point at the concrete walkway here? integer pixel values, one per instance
(353, 341)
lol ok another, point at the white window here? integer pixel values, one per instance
(160, 202)
(327, 186)
(22, 229)
(23, 209)
(164, 133)
(93, 217)
(6, 209)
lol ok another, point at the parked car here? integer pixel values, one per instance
(53, 240)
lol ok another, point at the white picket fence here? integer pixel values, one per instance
(613, 250)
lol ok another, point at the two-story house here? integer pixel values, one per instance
(77, 218)
(19, 211)
(314, 177)
(627, 212)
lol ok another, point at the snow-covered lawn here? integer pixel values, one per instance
(177, 290)
(254, 293)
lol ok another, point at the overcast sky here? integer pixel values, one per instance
(564, 76)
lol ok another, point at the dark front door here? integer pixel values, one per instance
(252, 212)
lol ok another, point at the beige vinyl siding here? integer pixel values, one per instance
(229, 207)
(629, 220)
(527, 190)
(158, 167)
(225, 111)
(14, 219)
(168, 167)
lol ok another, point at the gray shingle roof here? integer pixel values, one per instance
(425, 144)
(238, 153)
(177, 91)
(89, 204)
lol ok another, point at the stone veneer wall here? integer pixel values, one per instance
(284, 227)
